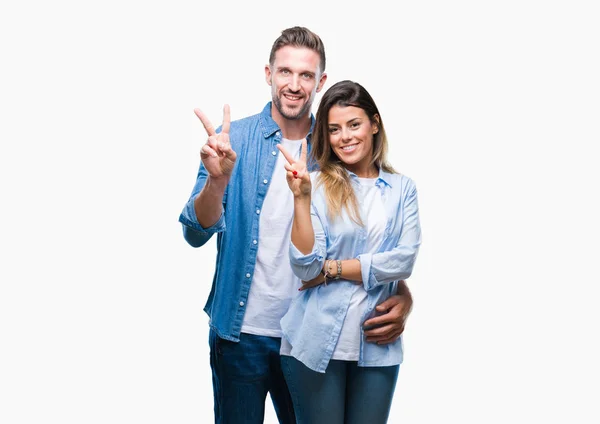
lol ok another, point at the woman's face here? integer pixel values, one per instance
(351, 138)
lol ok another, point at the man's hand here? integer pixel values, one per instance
(386, 328)
(217, 155)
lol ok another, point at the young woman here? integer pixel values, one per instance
(355, 233)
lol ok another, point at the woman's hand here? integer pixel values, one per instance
(318, 280)
(298, 178)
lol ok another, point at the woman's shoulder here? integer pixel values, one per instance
(398, 179)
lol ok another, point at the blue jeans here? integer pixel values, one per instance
(243, 373)
(344, 394)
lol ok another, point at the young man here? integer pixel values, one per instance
(242, 195)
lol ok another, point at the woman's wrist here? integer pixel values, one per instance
(332, 269)
(302, 201)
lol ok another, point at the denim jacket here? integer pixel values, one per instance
(314, 320)
(254, 139)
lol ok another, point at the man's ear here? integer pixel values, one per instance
(268, 74)
(322, 82)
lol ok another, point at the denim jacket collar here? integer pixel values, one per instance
(268, 126)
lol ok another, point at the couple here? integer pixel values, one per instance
(315, 234)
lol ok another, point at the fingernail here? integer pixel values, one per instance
(295, 172)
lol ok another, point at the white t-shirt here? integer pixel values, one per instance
(274, 283)
(373, 215)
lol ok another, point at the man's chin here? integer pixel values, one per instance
(292, 113)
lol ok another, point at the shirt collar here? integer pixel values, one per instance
(384, 178)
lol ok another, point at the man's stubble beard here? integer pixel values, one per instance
(304, 110)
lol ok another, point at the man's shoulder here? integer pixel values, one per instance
(250, 118)
(242, 124)
(259, 124)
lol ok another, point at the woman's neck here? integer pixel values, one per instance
(370, 172)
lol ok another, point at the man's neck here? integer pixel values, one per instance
(292, 129)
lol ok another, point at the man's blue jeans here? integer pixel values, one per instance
(243, 373)
(344, 394)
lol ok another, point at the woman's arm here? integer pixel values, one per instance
(374, 269)
(305, 255)
(397, 263)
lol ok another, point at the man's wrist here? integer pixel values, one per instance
(217, 184)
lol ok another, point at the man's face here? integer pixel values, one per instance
(294, 78)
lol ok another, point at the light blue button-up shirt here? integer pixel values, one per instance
(314, 320)
(255, 140)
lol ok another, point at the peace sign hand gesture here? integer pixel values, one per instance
(298, 178)
(217, 155)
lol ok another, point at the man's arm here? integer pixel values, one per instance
(204, 213)
(218, 160)
(208, 204)
(388, 327)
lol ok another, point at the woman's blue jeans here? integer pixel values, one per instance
(344, 394)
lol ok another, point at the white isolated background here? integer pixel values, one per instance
(492, 107)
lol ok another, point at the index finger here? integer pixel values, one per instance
(226, 119)
(286, 154)
(208, 126)
(378, 331)
(377, 321)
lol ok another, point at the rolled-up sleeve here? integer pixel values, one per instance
(307, 267)
(395, 264)
(193, 232)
